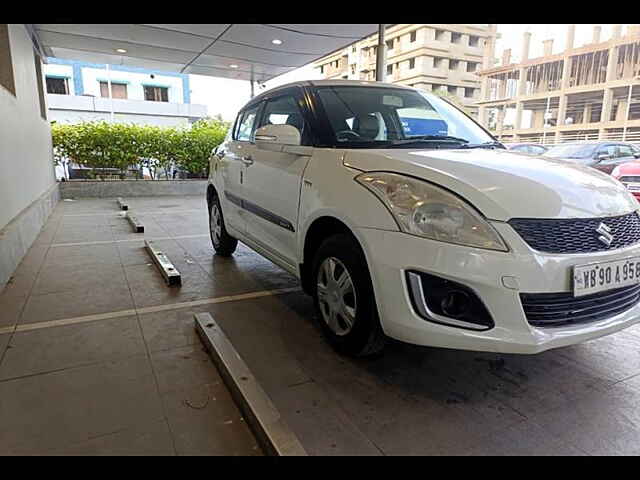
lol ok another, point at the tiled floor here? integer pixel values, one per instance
(97, 355)
(124, 382)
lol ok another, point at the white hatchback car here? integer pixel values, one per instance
(405, 218)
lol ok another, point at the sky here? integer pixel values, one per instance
(226, 97)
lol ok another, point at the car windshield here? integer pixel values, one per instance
(380, 117)
(571, 150)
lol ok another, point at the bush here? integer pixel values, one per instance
(121, 146)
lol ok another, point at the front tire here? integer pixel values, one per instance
(222, 242)
(344, 299)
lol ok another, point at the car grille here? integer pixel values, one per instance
(558, 309)
(630, 179)
(577, 235)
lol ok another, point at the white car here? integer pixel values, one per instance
(404, 218)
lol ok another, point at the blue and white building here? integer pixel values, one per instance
(79, 92)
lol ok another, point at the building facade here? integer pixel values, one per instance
(583, 93)
(444, 57)
(79, 91)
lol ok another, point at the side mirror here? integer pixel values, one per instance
(636, 155)
(276, 137)
(602, 157)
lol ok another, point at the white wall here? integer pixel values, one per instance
(91, 78)
(25, 137)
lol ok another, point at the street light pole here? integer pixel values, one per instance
(381, 54)
(110, 95)
(251, 81)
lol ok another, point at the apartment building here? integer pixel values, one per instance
(443, 57)
(583, 93)
(79, 91)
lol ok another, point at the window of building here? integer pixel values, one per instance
(456, 37)
(118, 90)
(452, 89)
(59, 86)
(472, 66)
(474, 40)
(469, 92)
(440, 35)
(6, 64)
(353, 49)
(389, 44)
(438, 62)
(156, 94)
(412, 63)
(321, 68)
(39, 82)
(412, 36)
(453, 64)
(389, 69)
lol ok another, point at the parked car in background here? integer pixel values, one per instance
(629, 174)
(602, 155)
(529, 148)
(403, 217)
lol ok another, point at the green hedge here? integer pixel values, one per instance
(123, 146)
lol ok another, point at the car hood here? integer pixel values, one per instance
(505, 185)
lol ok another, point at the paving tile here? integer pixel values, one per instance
(184, 367)
(68, 346)
(598, 424)
(40, 412)
(4, 342)
(205, 421)
(614, 356)
(170, 329)
(82, 255)
(69, 277)
(32, 261)
(254, 328)
(55, 306)
(77, 234)
(523, 439)
(10, 309)
(322, 427)
(148, 440)
(198, 247)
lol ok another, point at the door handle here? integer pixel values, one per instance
(247, 160)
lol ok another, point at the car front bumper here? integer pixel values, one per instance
(497, 278)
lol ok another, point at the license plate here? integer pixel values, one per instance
(598, 277)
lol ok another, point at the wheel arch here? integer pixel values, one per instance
(211, 193)
(320, 229)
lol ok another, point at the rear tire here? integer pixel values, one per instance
(222, 242)
(344, 298)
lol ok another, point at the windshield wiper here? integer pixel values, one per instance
(482, 145)
(428, 139)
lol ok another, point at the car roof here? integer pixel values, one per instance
(329, 83)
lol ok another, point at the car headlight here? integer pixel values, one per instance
(423, 209)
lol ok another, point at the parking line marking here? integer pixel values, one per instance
(140, 212)
(140, 311)
(101, 242)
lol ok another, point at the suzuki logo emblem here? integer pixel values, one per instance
(605, 234)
